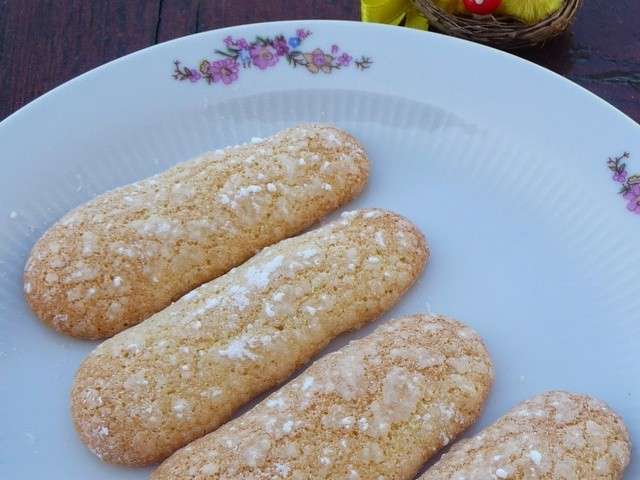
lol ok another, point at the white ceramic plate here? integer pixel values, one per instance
(501, 163)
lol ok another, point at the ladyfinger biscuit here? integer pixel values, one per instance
(129, 253)
(554, 436)
(378, 408)
(181, 373)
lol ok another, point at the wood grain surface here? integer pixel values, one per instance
(44, 43)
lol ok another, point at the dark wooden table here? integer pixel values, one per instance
(44, 42)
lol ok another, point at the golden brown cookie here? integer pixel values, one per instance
(183, 372)
(129, 253)
(554, 436)
(377, 408)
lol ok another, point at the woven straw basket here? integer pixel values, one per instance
(502, 32)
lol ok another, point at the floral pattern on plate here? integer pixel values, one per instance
(264, 53)
(630, 189)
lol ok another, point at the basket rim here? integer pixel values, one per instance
(501, 31)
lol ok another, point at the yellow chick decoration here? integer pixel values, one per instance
(527, 11)
(452, 6)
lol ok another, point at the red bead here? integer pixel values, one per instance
(482, 7)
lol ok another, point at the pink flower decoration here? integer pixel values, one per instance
(344, 60)
(281, 46)
(264, 56)
(318, 61)
(265, 52)
(302, 33)
(318, 58)
(633, 196)
(620, 177)
(240, 43)
(225, 70)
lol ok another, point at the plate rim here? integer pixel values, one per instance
(426, 36)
